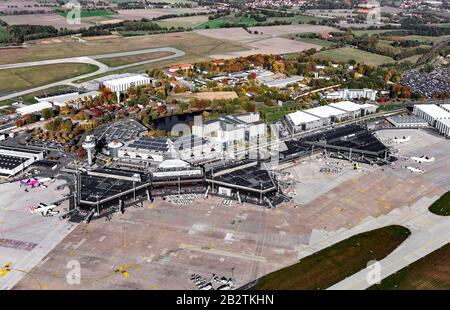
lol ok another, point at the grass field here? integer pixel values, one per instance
(119, 61)
(220, 22)
(315, 41)
(188, 21)
(441, 206)
(431, 272)
(345, 54)
(296, 19)
(29, 77)
(273, 114)
(3, 33)
(191, 43)
(93, 13)
(337, 262)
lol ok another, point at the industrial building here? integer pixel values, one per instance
(328, 112)
(354, 110)
(16, 159)
(301, 121)
(446, 106)
(34, 108)
(74, 97)
(407, 121)
(279, 82)
(443, 126)
(431, 113)
(231, 133)
(353, 94)
(122, 84)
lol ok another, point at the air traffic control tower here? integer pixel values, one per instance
(89, 146)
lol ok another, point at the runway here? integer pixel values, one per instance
(92, 59)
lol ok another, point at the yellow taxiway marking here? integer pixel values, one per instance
(44, 286)
(154, 286)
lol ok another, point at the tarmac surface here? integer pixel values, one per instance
(25, 238)
(160, 245)
(92, 59)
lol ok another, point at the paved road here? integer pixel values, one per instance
(92, 59)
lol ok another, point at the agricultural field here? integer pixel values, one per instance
(296, 19)
(188, 21)
(220, 22)
(49, 19)
(337, 262)
(431, 272)
(125, 60)
(29, 77)
(345, 54)
(315, 41)
(93, 13)
(152, 13)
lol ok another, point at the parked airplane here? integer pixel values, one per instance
(401, 140)
(423, 159)
(33, 182)
(415, 170)
(43, 209)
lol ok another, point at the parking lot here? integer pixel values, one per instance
(165, 246)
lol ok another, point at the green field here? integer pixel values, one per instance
(125, 60)
(296, 19)
(186, 22)
(337, 262)
(3, 33)
(274, 114)
(441, 206)
(344, 54)
(190, 42)
(29, 77)
(93, 13)
(315, 41)
(220, 22)
(431, 272)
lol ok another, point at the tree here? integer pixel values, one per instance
(47, 113)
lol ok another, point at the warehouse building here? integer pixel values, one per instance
(407, 121)
(34, 108)
(443, 126)
(354, 110)
(431, 113)
(446, 106)
(327, 112)
(349, 94)
(16, 159)
(301, 121)
(122, 84)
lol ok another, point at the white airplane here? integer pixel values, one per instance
(401, 140)
(423, 159)
(414, 170)
(43, 209)
(33, 182)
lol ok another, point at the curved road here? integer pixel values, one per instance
(102, 68)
